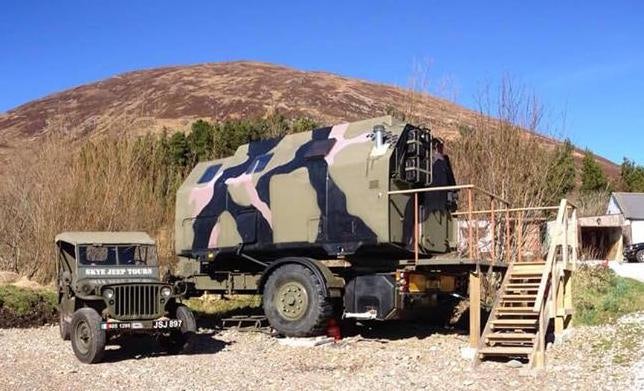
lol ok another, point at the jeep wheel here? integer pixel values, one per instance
(639, 257)
(88, 339)
(63, 327)
(294, 302)
(180, 341)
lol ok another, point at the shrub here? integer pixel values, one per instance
(24, 307)
(600, 296)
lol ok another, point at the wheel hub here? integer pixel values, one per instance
(292, 301)
(83, 337)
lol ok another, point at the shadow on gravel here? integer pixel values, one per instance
(440, 320)
(210, 321)
(435, 320)
(136, 347)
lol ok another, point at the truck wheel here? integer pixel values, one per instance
(639, 257)
(294, 302)
(180, 341)
(63, 327)
(88, 339)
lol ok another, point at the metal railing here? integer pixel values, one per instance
(471, 192)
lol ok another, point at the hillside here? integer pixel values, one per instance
(149, 100)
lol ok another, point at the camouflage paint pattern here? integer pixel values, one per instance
(326, 188)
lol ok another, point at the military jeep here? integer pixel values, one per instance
(109, 284)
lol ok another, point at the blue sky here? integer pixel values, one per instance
(584, 59)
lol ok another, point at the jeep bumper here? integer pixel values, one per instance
(154, 325)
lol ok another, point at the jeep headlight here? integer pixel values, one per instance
(166, 292)
(108, 293)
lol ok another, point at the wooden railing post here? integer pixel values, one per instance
(470, 239)
(475, 307)
(506, 251)
(520, 238)
(493, 222)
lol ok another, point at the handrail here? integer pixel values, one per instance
(526, 209)
(550, 260)
(445, 188)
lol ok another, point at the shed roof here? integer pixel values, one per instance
(105, 237)
(631, 205)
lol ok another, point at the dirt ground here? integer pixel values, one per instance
(389, 356)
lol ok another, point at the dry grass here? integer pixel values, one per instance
(108, 185)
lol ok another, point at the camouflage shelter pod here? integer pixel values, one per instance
(323, 193)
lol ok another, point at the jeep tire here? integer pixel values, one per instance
(181, 340)
(294, 301)
(63, 326)
(639, 256)
(88, 339)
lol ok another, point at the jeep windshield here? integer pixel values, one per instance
(117, 255)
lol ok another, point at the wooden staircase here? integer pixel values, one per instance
(532, 295)
(513, 325)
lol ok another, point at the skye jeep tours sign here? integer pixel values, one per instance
(117, 272)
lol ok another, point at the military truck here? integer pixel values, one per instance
(109, 284)
(321, 223)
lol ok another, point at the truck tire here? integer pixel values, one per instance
(294, 302)
(63, 327)
(180, 341)
(88, 339)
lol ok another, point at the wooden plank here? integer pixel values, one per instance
(523, 285)
(506, 350)
(516, 313)
(550, 259)
(512, 336)
(509, 309)
(520, 297)
(519, 290)
(535, 273)
(475, 309)
(514, 321)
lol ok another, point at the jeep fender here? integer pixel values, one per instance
(332, 284)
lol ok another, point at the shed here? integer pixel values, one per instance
(605, 236)
(631, 207)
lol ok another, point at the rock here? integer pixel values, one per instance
(305, 342)
(468, 353)
(514, 364)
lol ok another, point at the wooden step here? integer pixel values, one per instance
(527, 291)
(518, 309)
(505, 350)
(514, 324)
(519, 297)
(524, 285)
(534, 266)
(514, 321)
(529, 302)
(517, 313)
(542, 263)
(518, 336)
(527, 272)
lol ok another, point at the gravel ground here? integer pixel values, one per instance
(391, 356)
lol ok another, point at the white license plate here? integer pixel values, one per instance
(121, 325)
(167, 324)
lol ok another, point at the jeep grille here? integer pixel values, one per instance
(136, 302)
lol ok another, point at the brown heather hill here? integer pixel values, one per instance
(173, 97)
